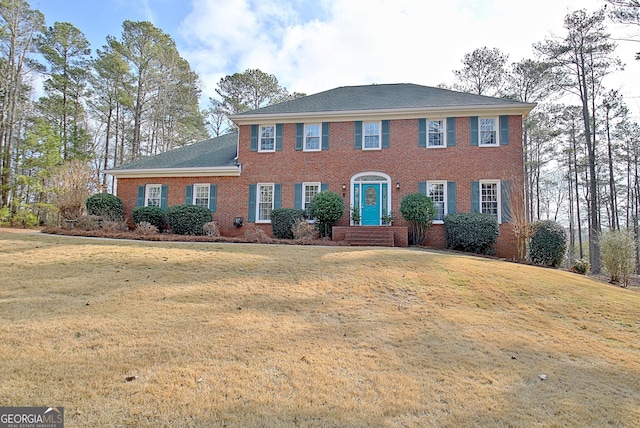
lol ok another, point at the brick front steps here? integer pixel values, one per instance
(379, 236)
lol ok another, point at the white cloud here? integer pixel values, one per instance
(313, 46)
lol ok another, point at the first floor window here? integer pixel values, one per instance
(371, 136)
(437, 191)
(489, 198)
(488, 131)
(152, 196)
(312, 137)
(436, 133)
(265, 201)
(201, 195)
(309, 191)
(267, 139)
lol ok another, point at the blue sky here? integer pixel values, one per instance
(315, 45)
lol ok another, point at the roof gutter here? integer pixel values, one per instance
(223, 171)
(413, 112)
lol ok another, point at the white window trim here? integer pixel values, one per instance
(195, 192)
(304, 142)
(146, 194)
(304, 187)
(496, 120)
(275, 138)
(445, 197)
(499, 195)
(444, 131)
(364, 136)
(258, 192)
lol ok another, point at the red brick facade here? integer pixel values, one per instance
(404, 162)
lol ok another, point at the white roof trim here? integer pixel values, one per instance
(404, 113)
(224, 171)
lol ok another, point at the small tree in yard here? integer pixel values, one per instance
(327, 208)
(71, 184)
(418, 210)
(617, 250)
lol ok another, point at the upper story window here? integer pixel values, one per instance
(490, 198)
(201, 195)
(267, 141)
(437, 191)
(488, 131)
(265, 202)
(312, 134)
(436, 133)
(371, 136)
(153, 193)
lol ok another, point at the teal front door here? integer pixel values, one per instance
(370, 203)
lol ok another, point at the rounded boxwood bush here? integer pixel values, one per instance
(283, 220)
(188, 219)
(153, 215)
(471, 232)
(548, 243)
(105, 205)
(327, 208)
(418, 210)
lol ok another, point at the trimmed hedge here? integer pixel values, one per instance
(188, 219)
(327, 208)
(153, 215)
(548, 243)
(471, 232)
(283, 220)
(418, 210)
(105, 205)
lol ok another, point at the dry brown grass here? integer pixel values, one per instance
(267, 335)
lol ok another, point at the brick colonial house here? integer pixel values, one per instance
(370, 144)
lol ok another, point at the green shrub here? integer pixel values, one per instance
(580, 266)
(154, 215)
(327, 208)
(188, 219)
(24, 218)
(548, 243)
(617, 255)
(5, 216)
(418, 210)
(105, 205)
(471, 232)
(283, 220)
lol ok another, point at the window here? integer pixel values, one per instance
(312, 137)
(265, 202)
(371, 136)
(436, 133)
(267, 141)
(309, 191)
(153, 193)
(488, 131)
(437, 191)
(201, 195)
(490, 198)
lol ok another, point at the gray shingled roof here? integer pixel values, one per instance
(215, 152)
(381, 97)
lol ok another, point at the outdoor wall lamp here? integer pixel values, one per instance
(238, 221)
(398, 185)
(344, 186)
